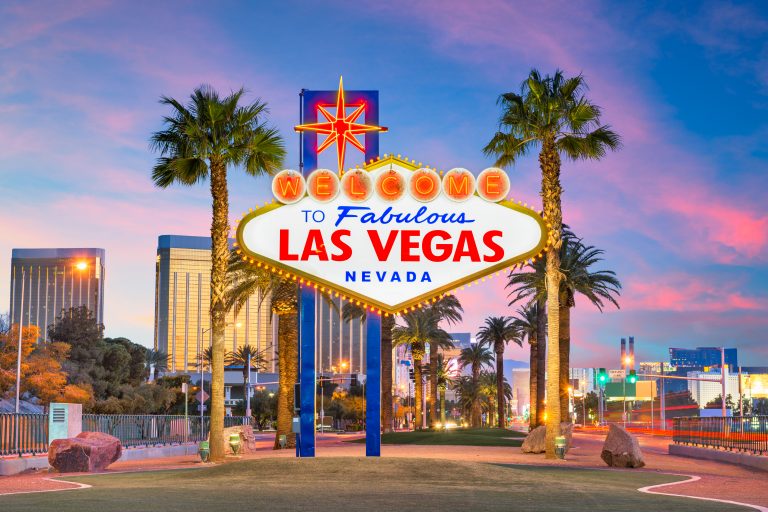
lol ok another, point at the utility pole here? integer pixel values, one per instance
(662, 404)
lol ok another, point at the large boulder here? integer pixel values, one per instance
(247, 439)
(621, 449)
(535, 441)
(86, 453)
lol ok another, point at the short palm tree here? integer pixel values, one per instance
(449, 310)
(350, 311)
(444, 380)
(577, 277)
(420, 327)
(527, 321)
(476, 356)
(492, 389)
(201, 140)
(157, 361)
(496, 333)
(552, 113)
(469, 397)
(250, 358)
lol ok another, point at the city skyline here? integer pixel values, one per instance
(679, 210)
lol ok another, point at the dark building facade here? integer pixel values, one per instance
(44, 282)
(703, 356)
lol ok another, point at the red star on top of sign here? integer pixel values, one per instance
(340, 128)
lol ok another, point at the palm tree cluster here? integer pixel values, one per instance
(421, 330)
(599, 287)
(553, 114)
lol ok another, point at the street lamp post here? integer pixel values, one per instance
(18, 360)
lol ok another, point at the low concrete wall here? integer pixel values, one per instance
(13, 466)
(18, 465)
(741, 458)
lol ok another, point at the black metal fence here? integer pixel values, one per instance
(132, 429)
(23, 434)
(747, 434)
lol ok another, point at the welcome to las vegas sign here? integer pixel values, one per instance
(389, 235)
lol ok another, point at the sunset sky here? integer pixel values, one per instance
(681, 210)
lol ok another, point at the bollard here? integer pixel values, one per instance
(234, 443)
(560, 446)
(204, 450)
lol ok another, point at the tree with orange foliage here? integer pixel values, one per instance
(41, 373)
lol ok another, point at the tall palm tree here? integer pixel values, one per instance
(577, 277)
(350, 311)
(527, 321)
(476, 356)
(552, 113)
(496, 333)
(245, 280)
(248, 357)
(199, 141)
(449, 310)
(420, 327)
(156, 361)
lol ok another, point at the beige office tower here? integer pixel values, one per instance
(182, 300)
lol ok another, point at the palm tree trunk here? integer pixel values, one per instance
(533, 381)
(541, 384)
(418, 393)
(442, 405)
(551, 191)
(219, 258)
(476, 413)
(565, 353)
(387, 323)
(287, 360)
(500, 386)
(432, 388)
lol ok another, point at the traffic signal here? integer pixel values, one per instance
(410, 373)
(632, 377)
(602, 376)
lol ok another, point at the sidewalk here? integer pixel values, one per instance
(718, 480)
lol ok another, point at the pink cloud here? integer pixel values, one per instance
(684, 292)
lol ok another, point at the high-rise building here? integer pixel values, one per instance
(182, 318)
(703, 356)
(182, 307)
(55, 280)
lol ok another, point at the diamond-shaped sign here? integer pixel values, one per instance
(391, 254)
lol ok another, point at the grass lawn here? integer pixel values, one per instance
(346, 484)
(459, 436)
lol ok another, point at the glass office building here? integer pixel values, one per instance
(44, 282)
(182, 307)
(703, 356)
(340, 347)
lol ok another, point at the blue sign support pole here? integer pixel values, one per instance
(373, 386)
(306, 442)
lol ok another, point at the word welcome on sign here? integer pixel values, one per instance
(391, 236)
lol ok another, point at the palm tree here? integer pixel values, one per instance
(245, 280)
(421, 327)
(469, 396)
(527, 321)
(156, 361)
(477, 355)
(449, 310)
(551, 112)
(350, 311)
(444, 379)
(200, 141)
(496, 333)
(494, 390)
(249, 358)
(599, 287)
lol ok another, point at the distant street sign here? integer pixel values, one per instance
(201, 396)
(617, 374)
